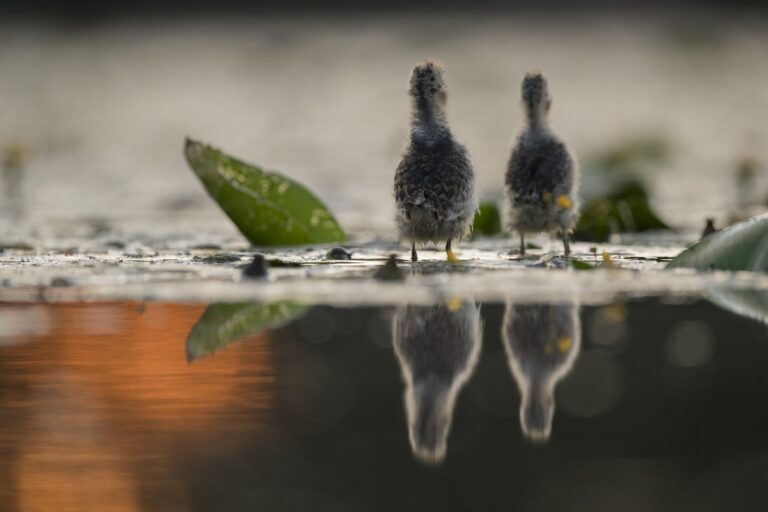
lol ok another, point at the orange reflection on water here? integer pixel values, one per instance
(107, 395)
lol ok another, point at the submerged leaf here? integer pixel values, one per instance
(743, 246)
(267, 207)
(222, 324)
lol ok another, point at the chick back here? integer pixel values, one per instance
(540, 171)
(434, 192)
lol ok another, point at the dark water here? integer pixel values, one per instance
(645, 405)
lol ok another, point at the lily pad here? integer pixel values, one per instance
(223, 324)
(742, 246)
(267, 207)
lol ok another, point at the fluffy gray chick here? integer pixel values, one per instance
(434, 183)
(542, 178)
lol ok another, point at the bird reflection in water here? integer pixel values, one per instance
(542, 343)
(437, 347)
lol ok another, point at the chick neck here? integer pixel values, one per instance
(537, 118)
(428, 120)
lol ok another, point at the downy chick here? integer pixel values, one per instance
(542, 178)
(434, 183)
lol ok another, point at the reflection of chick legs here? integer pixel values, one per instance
(542, 343)
(437, 347)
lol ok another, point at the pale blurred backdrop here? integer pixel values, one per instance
(100, 107)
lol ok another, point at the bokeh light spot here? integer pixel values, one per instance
(690, 344)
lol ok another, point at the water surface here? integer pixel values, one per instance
(656, 404)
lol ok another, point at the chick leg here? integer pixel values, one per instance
(449, 253)
(522, 244)
(414, 256)
(566, 243)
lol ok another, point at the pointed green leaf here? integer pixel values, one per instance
(223, 324)
(267, 207)
(743, 246)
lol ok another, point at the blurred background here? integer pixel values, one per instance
(97, 98)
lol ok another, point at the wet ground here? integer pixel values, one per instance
(645, 404)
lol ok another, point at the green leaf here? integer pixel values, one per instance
(625, 210)
(487, 220)
(223, 324)
(581, 265)
(267, 207)
(743, 246)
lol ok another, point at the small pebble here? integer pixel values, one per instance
(709, 228)
(257, 268)
(338, 253)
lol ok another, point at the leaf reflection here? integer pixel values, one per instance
(748, 303)
(224, 323)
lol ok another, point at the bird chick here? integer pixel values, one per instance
(434, 183)
(438, 348)
(542, 178)
(542, 343)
